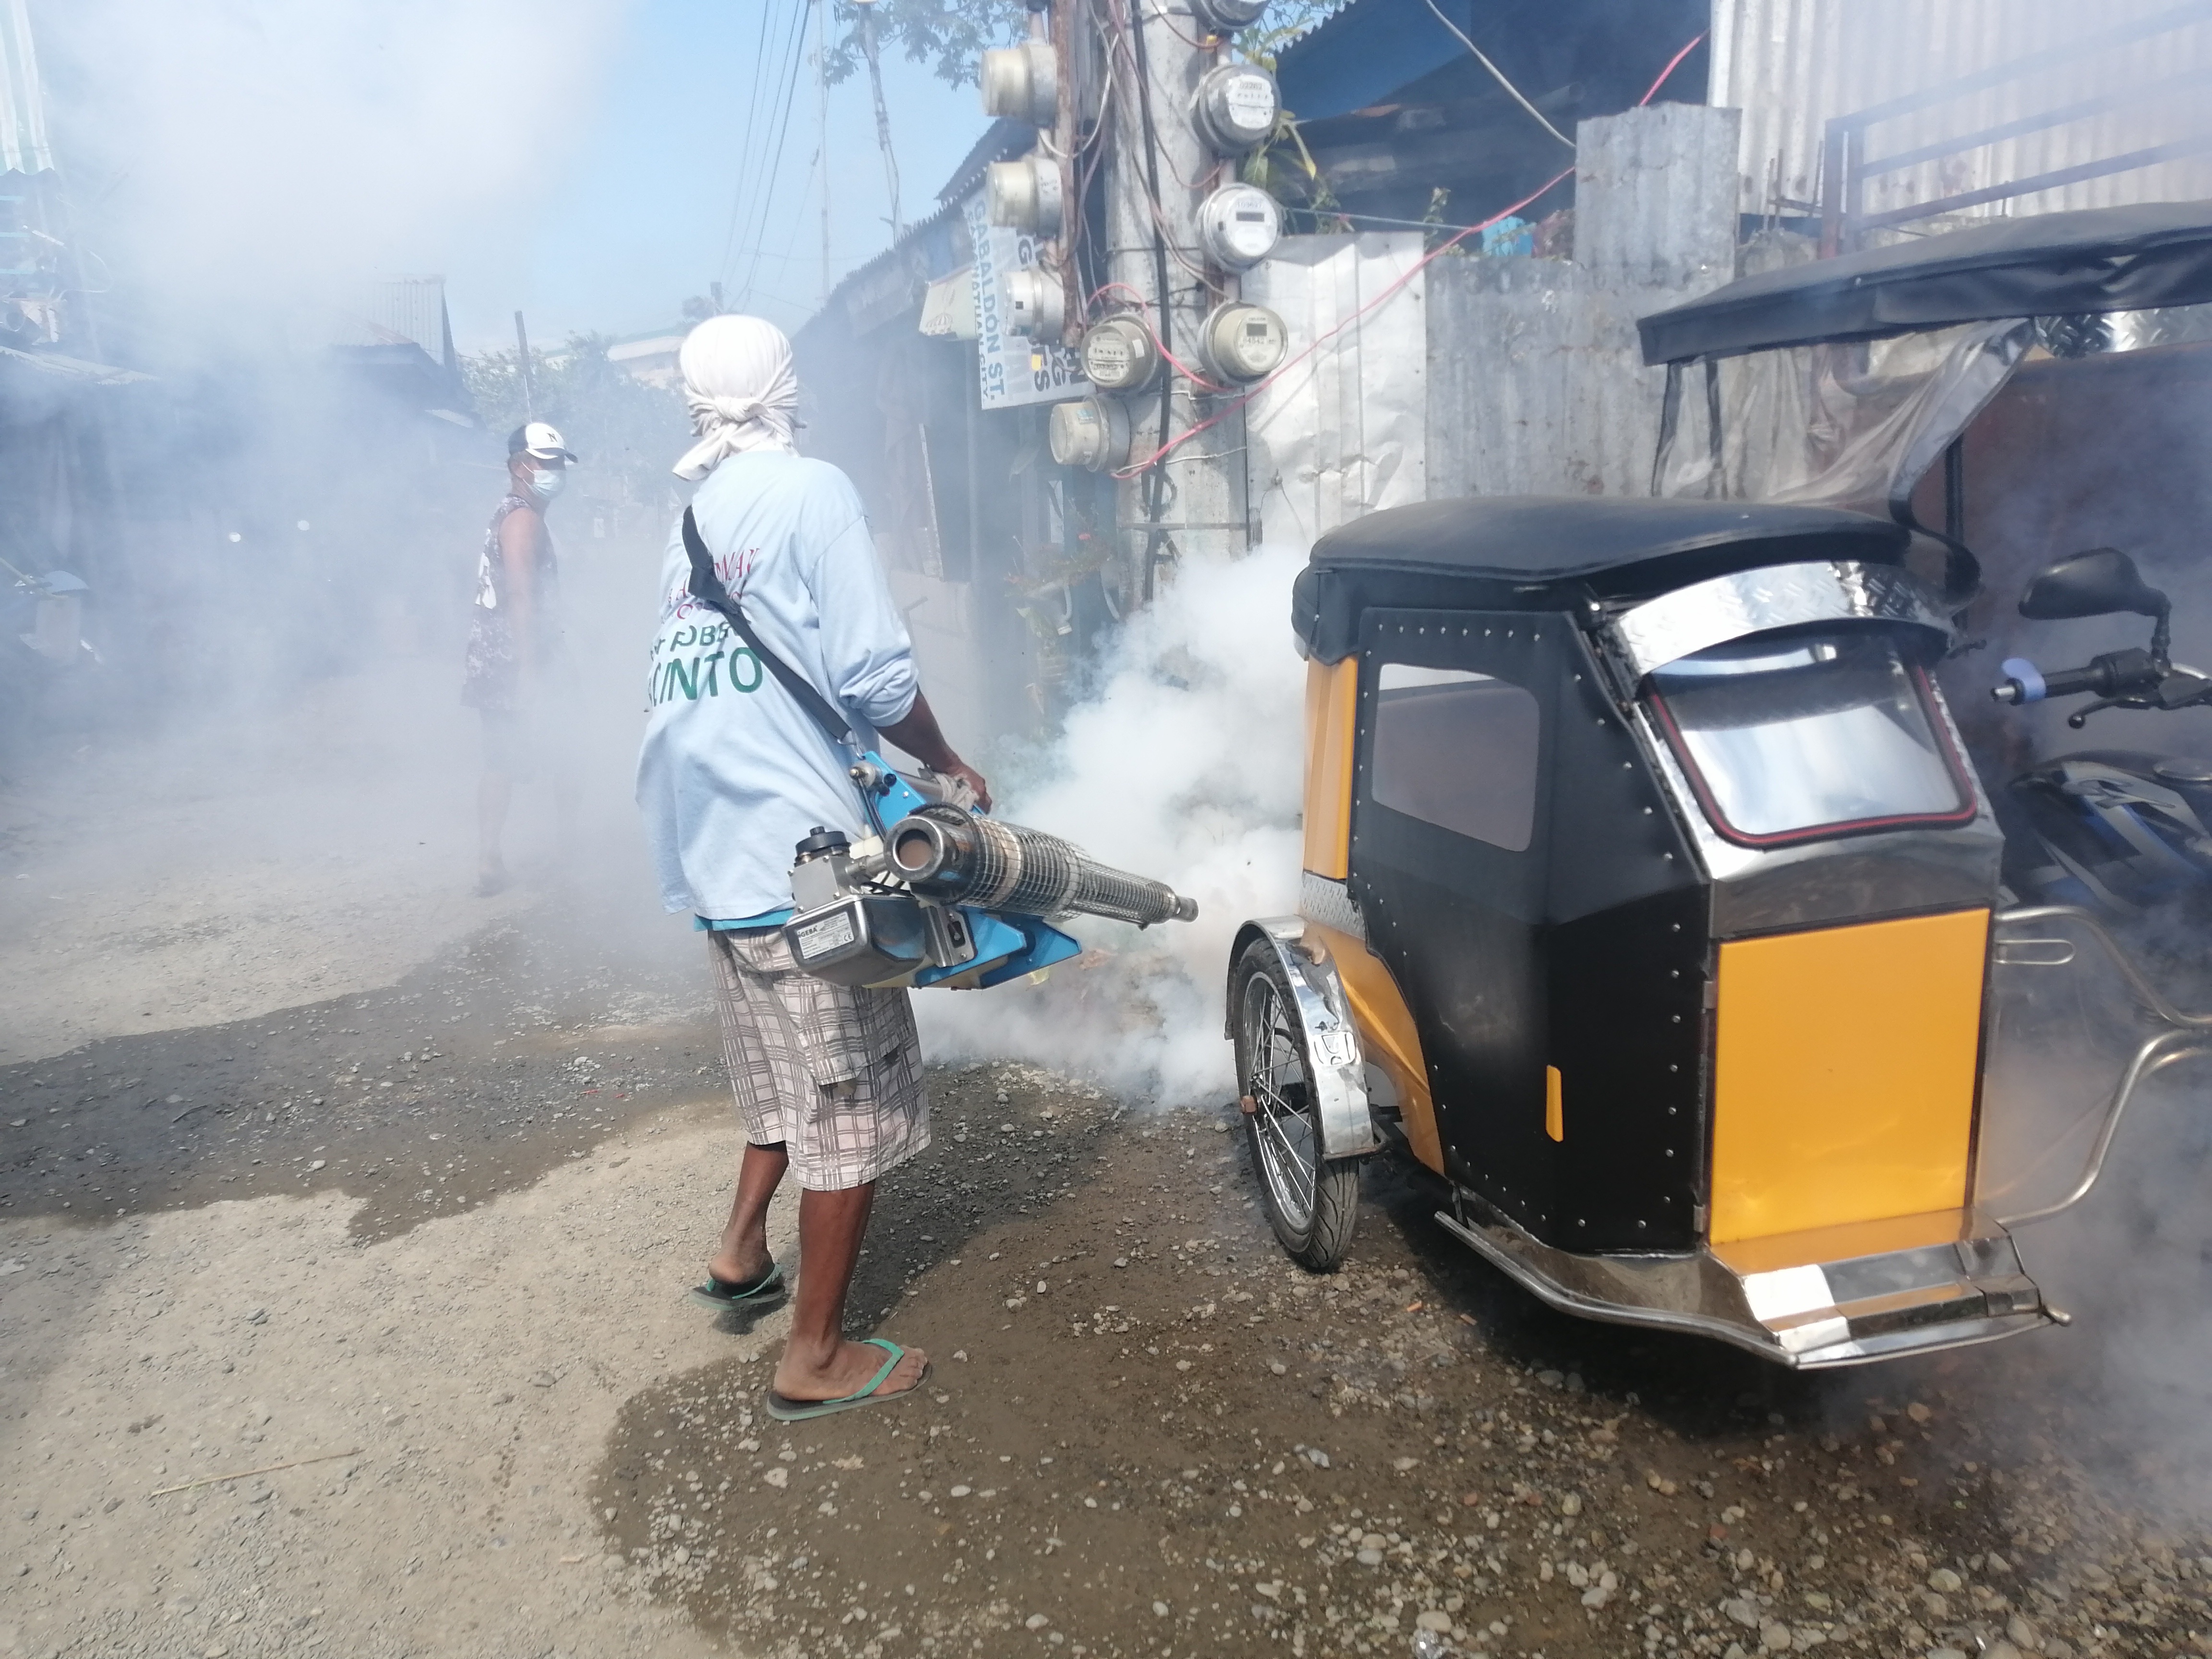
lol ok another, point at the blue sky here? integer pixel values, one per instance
(639, 214)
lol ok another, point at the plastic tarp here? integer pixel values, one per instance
(2122, 259)
(1341, 430)
(1852, 425)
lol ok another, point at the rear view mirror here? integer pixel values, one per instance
(2096, 583)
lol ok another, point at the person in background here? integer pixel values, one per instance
(733, 774)
(513, 635)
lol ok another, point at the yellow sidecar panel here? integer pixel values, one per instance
(1843, 1073)
(1332, 703)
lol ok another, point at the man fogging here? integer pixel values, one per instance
(771, 576)
(734, 773)
(514, 636)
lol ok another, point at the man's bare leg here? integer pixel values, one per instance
(744, 1256)
(818, 1362)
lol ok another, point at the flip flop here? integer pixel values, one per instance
(784, 1409)
(721, 1293)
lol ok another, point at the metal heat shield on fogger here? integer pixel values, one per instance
(947, 896)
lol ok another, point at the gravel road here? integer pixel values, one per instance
(425, 1245)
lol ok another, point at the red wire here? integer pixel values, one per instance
(1673, 63)
(1438, 251)
(1140, 299)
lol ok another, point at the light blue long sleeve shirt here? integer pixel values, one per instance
(733, 773)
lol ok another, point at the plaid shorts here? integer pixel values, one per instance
(831, 1072)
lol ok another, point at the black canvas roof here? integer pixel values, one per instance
(1550, 552)
(2046, 264)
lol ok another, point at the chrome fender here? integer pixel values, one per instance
(1337, 1064)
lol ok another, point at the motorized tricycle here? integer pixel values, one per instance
(1651, 899)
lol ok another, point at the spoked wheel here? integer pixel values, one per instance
(1312, 1199)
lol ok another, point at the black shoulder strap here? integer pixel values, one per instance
(707, 587)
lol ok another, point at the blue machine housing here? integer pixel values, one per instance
(1009, 945)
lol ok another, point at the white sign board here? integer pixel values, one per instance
(1012, 369)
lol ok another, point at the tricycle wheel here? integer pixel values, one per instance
(1312, 1199)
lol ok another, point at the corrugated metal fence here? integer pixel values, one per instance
(2123, 76)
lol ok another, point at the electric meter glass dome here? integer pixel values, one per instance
(1119, 356)
(1092, 434)
(1235, 107)
(1021, 81)
(1023, 195)
(1240, 225)
(1036, 303)
(1223, 15)
(1244, 343)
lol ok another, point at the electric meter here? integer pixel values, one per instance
(1243, 342)
(1234, 107)
(1240, 225)
(1036, 304)
(1022, 82)
(1023, 195)
(1223, 16)
(1119, 354)
(1092, 434)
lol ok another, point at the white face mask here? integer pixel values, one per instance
(545, 483)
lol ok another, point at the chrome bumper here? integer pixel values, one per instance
(1841, 1295)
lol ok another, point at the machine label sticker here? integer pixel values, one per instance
(819, 938)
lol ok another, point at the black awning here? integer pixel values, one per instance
(2124, 259)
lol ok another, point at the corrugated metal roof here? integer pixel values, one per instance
(414, 308)
(1792, 65)
(23, 147)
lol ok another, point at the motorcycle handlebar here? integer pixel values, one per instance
(2115, 674)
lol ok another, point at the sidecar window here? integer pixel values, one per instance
(1802, 733)
(1458, 749)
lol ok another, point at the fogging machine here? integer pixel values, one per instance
(943, 895)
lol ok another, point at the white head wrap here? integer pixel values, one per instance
(738, 384)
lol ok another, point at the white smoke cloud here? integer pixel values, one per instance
(231, 152)
(1183, 765)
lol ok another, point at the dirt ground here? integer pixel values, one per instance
(1146, 1433)
(344, 1231)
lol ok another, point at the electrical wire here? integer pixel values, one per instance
(748, 182)
(1121, 31)
(1205, 44)
(1152, 461)
(1673, 63)
(1157, 486)
(787, 107)
(757, 189)
(1498, 75)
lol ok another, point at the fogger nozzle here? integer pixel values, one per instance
(947, 854)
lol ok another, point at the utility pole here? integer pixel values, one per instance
(822, 130)
(522, 369)
(1160, 170)
(882, 114)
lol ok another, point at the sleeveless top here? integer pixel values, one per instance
(492, 677)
